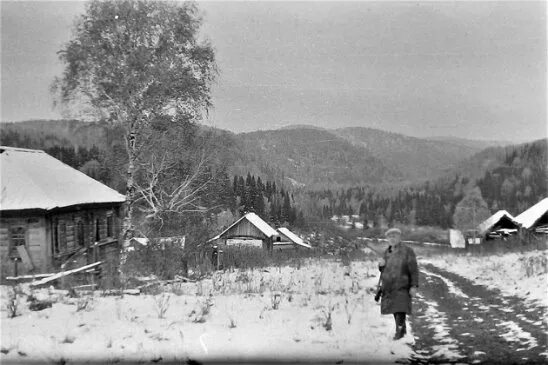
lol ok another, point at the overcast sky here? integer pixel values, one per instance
(473, 70)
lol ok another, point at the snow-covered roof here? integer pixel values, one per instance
(32, 179)
(293, 237)
(141, 240)
(528, 218)
(256, 221)
(494, 219)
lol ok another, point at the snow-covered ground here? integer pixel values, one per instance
(519, 274)
(322, 310)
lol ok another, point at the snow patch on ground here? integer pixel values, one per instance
(279, 313)
(518, 274)
(450, 285)
(517, 334)
(438, 321)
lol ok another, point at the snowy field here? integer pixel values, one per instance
(321, 311)
(524, 275)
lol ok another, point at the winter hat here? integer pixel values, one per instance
(393, 230)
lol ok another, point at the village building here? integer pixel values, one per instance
(535, 219)
(289, 241)
(51, 213)
(249, 230)
(500, 225)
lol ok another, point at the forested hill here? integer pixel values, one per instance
(313, 158)
(301, 156)
(513, 178)
(415, 158)
(43, 134)
(297, 156)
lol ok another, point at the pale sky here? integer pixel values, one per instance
(465, 69)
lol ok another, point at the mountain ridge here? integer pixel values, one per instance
(299, 155)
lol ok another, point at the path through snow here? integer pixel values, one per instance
(458, 321)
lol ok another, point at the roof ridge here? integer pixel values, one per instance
(19, 149)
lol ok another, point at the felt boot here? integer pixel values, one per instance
(399, 332)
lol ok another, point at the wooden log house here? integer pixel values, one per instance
(51, 213)
(249, 228)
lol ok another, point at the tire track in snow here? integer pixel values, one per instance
(434, 342)
(486, 325)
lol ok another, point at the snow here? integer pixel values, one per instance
(32, 179)
(531, 215)
(450, 285)
(256, 221)
(447, 349)
(492, 220)
(517, 274)
(293, 237)
(516, 333)
(244, 322)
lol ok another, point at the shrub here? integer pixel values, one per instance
(84, 303)
(327, 315)
(162, 304)
(275, 300)
(535, 265)
(200, 315)
(12, 304)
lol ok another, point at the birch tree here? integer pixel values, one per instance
(134, 63)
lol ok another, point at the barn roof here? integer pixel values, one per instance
(254, 219)
(32, 179)
(293, 237)
(528, 218)
(490, 222)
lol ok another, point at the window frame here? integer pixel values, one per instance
(12, 251)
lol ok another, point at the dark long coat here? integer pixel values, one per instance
(400, 273)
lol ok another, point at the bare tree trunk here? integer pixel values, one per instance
(128, 230)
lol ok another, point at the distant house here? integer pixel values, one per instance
(249, 230)
(137, 243)
(499, 225)
(535, 219)
(289, 240)
(51, 213)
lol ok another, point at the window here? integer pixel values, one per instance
(62, 235)
(80, 237)
(110, 224)
(97, 230)
(56, 237)
(17, 239)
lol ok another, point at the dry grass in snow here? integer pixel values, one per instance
(323, 311)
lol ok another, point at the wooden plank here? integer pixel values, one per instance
(64, 273)
(4, 237)
(27, 277)
(25, 257)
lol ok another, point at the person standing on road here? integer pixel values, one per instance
(399, 280)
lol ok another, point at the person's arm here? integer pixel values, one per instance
(413, 269)
(382, 264)
(382, 260)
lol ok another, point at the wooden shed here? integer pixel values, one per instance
(499, 225)
(535, 219)
(249, 230)
(51, 213)
(289, 241)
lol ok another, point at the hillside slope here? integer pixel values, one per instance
(416, 159)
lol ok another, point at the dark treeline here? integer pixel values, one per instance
(238, 195)
(514, 184)
(429, 206)
(265, 199)
(90, 161)
(518, 183)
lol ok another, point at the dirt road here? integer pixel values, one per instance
(456, 320)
